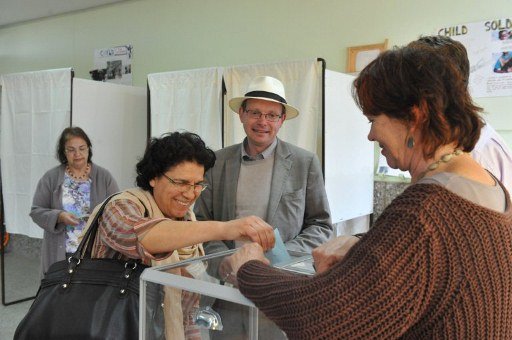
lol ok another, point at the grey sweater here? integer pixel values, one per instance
(47, 205)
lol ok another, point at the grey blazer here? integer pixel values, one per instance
(47, 205)
(298, 204)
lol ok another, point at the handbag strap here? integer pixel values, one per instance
(84, 249)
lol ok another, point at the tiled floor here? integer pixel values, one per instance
(21, 281)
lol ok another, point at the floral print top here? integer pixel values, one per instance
(76, 199)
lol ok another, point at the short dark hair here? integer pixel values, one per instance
(170, 150)
(449, 48)
(67, 133)
(404, 78)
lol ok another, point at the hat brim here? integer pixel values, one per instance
(235, 103)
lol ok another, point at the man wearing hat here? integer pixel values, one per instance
(267, 177)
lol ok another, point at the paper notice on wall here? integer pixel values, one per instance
(113, 65)
(365, 57)
(489, 46)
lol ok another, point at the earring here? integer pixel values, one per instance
(410, 142)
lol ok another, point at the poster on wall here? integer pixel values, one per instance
(489, 46)
(113, 65)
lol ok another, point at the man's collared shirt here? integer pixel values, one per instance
(268, 152)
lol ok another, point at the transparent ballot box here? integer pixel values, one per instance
(188, 300)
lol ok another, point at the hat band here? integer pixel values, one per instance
(265, 94)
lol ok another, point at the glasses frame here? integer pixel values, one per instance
(252, 115)
(73, 151)
(184, 187)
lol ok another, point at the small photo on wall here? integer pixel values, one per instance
(503, 62)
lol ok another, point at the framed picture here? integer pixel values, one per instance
(360, 56)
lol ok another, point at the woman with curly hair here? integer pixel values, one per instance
(155, 223)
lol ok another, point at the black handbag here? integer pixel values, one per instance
(84, 298)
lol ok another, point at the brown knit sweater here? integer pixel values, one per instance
(435, 266)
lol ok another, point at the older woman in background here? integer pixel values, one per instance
(438, 261)
(66, 194)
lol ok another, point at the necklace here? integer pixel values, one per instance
(444, 159)
(80, 177)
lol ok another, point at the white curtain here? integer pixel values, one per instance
(188, 100)
(102, 108)
(303, 87)
(35, 109)
(349, 155)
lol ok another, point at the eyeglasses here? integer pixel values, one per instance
(81, 149)
(270, 117)
(184, 186)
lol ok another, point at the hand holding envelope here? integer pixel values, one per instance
(252, 251)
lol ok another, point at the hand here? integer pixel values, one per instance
(68, 218)
(226, 272)
(248, 252)
(250, 228)
(329, 253)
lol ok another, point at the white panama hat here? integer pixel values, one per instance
(265, 88)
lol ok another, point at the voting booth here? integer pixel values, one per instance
(37, 106)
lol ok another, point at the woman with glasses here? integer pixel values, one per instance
(66, 195)
(155, 222)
